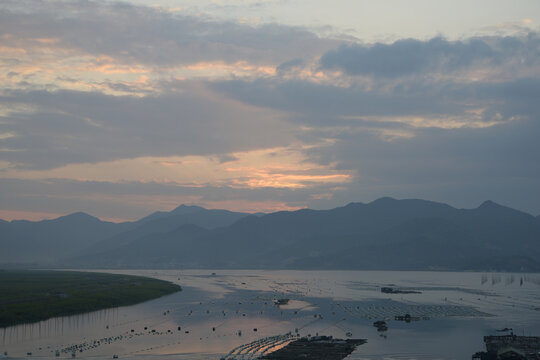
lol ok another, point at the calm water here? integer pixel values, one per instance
(212, 310)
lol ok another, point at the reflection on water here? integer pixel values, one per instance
(216, 313)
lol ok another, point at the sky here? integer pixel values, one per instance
(119, 109)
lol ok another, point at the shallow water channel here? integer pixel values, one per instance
(218, 310)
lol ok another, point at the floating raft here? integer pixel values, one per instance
(390, 309)
(316, 348)
(510, 347)
(258, 348)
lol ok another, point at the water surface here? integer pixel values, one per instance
(219, 310)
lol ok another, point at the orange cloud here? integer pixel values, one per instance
(9, 215)
(276, 167)
(474, 118)
(263, 178)
(221, 68)
(248, 206)
(9, 50)
(47, 41)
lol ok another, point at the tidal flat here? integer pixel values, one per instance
(218, 311)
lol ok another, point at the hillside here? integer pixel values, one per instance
(164, 222)
(50, 242)
(384, 234)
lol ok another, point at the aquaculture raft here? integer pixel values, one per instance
(510, 347)
(316, 348)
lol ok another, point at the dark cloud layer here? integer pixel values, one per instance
(411, 56)
(136, 34)
(459, 166)
(74, 127)
(325, 104)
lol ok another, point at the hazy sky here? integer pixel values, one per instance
(119, 109)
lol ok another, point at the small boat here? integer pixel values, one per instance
(279, 302)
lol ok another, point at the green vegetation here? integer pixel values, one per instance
(29, 296)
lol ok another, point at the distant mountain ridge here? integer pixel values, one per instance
(47, 240)
(180, 210)
(163, 222)
(386, 234)
(52, 241)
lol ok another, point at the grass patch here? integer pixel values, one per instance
(30, 296)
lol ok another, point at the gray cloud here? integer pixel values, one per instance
(73, 127)
(318, 104)
(136, 34)
(460, 166)
(324, 107)
(411, 56)
(303, 97)
(289, 66)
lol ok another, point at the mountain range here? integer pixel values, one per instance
(386, 234)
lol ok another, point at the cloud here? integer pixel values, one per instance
(427, 114)
(133, 200)
(53, 128)
(146, 35)
(290, 65)
(275, 168)
(460, 166)
(419, 104)
(312, 99)
(105, 104)
(422, 132)
(412, 57)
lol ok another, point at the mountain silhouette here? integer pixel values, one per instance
(163, 222)
(386, 234)
(48, 240)
(70, 236)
